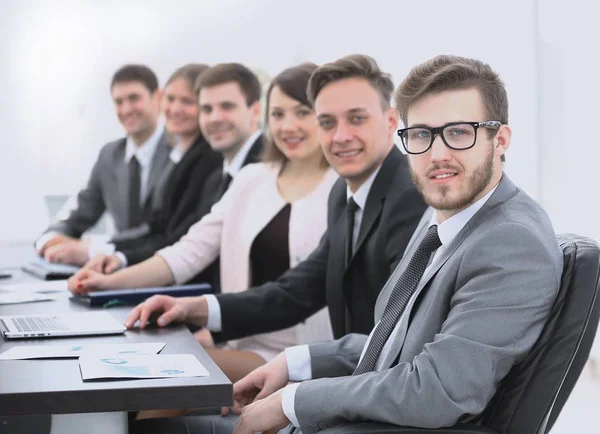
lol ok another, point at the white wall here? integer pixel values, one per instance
(569, 114)
(58, 57)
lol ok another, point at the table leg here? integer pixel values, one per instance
(90, 423)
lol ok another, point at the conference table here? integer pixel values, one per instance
(55, 387)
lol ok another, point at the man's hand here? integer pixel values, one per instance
(105, 264)
(171, 309)
(263, 415)
(68, 252)
(86, 280)
(54, 241)
(260, 383)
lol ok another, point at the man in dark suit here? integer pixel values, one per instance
(229, 95)
(363, 242)
(124, 178)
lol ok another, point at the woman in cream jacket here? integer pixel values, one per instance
(270, 219)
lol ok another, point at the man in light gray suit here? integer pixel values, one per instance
(466, 303)
(124, 179)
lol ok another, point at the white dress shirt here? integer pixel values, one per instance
(298, 358)
(233, 167)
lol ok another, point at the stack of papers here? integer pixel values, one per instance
(75, 351)
(155, 366)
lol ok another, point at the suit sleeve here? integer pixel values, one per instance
(336, 358)
(90, 206)
(296, 295)
(495, 317)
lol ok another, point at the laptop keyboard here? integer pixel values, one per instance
(37, 324)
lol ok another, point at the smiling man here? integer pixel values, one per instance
(124, 177)
(466, 303)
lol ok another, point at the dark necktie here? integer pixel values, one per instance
(351, 208)
(403, 290)
(134, 192)
(225, 181)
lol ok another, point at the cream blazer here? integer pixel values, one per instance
(229, 230)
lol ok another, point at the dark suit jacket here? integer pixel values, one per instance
(107, 190)
(181, 195)
(392, 212)
(212, 194)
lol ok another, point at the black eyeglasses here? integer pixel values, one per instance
(456, 135)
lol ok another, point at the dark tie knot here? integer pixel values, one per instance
(431, 241)
(351, 206)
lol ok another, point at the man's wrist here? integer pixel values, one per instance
(198, 310)
(122, 259)
(288, 398)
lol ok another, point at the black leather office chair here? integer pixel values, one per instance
(530, 398)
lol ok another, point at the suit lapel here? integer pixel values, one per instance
(253, 155)
(376, 196)
(505, 190)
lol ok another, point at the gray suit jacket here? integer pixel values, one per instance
(107, 190)
(478, 311)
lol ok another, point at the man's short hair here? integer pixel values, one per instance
(354, 65)
(140, 73)
(445, 73)
(227, 72)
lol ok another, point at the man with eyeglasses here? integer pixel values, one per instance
(466, 303)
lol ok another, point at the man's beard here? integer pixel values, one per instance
(471, 188)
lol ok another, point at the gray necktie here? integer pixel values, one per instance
(403, 290)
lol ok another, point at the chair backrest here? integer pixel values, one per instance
(532, 395)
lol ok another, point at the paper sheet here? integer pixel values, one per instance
(16, 298)
(39, 287)
(74, 351)
(156, 366)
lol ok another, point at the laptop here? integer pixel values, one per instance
(59, 325)
(118, 297)
(47, 271)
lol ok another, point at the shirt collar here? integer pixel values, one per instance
(233, 167)
(450, 228)
(145, 152)
(176, 154)
(360, 197)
